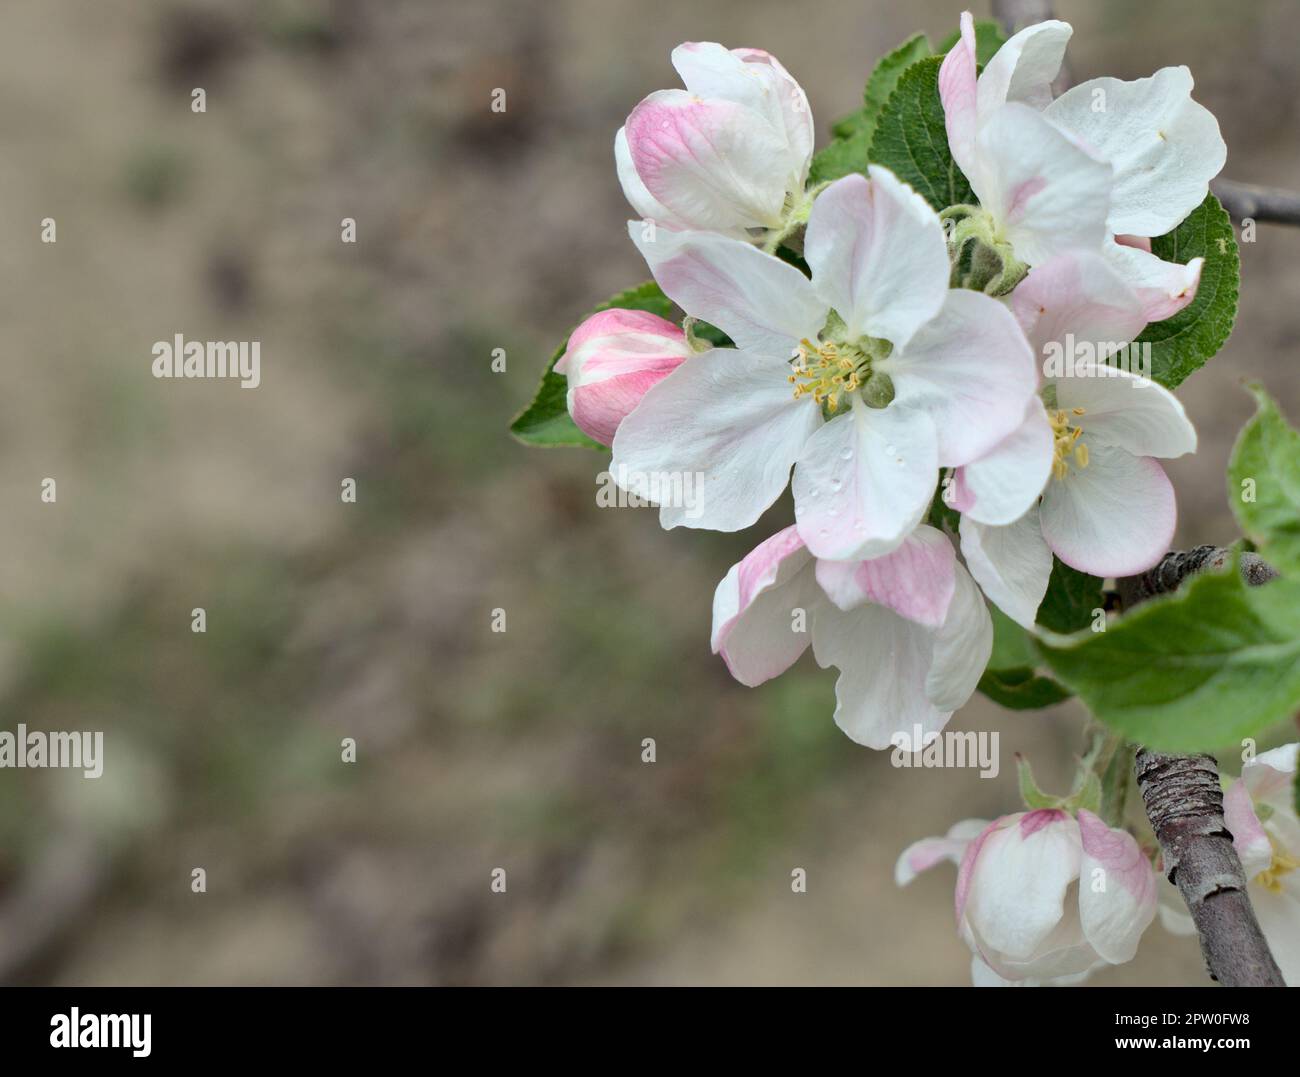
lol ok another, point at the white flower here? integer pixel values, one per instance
(1106, 505)
(1042, 897)
(909, 632)
(1259, 811)
(913, 375)
(1102, 167)
(728, 154)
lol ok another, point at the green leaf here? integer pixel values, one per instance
(1194, 671)
(1071, 599)
(546, 422)
(988, 39)
(1265, 467)
(1185, 342)
(911, 140)
(853, 133)
(1010, 679)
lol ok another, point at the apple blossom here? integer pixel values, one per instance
(913, 375)
(1105, 166)
(728, 154)
(611, 361)
(1042, 896)
(1259, 811)
(909, 631)
(1079, 477)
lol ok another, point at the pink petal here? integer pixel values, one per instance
(708, 161)
(1117, 889)
(916, 581)
(1248, 834)
(957, 92)
(611, 361)
(1075, 305)
(753, 622)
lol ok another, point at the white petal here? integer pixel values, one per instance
(722, 430)
(1024, 68)
(1164, 147)
(1113, 518)
(1163, 288)
(1130, 412)
(1279, 918)
(1117, 890)
(971, 370)
(761, 302)
(883, 660)
(1076, 307)
(1019, 882)
(1048, 194)
(1004, 483)
(864, 481)
(878, 255)
(924, 854)
(961, 647)
(754, 626)
(1270, 776)
(1012, 564)
(708, 161)
(916, 581)
(957, 92)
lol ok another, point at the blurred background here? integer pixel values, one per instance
(476, 750)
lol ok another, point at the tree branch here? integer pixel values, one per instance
(1243, 200)
(1184, 802)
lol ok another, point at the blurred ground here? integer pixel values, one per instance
(521, 750)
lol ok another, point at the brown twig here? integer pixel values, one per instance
(1243, 200)
(1184, 803)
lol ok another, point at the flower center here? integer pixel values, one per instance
(1271, 877)
(832, 369)
(827, 371)
(1067, 443)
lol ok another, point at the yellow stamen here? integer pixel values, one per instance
(1283, 863)
(826, 372)
(1066, 442)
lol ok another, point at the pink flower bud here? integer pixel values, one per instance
(612, 360)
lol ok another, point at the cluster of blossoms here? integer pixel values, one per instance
(878, 352)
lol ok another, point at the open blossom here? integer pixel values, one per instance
(909, 632)
(1042, 897)
(1259, 811)
(1079, 477)
(728, 154)
(611, 361)
(913, 375)
(1105, 166)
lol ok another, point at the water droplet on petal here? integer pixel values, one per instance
(835, 485)
(890, 450)
(846, 454)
